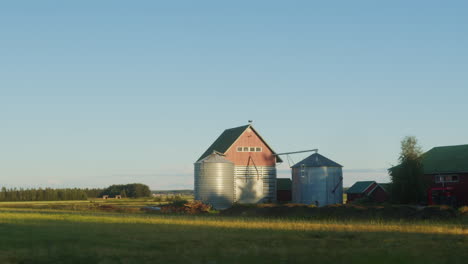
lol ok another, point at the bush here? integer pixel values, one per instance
(183, 206)
(197, 207)
(295, 205)
(179, 203)
(267, 205)
(463, 210)
(335, 205)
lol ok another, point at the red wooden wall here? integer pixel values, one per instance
(379, 195)
(460, 188)
(250, 139)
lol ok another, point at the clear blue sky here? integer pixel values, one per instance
(100, 92)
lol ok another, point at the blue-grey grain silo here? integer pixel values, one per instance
(214, 181)
(317, 180)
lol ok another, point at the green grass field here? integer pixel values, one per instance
(47, 233)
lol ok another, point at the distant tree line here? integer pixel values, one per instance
(47, 194)
(135, 190)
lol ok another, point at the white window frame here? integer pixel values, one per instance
(443, 178)
(249, 149)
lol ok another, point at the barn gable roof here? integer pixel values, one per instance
(228, 138)
(360, 187)
(316, 160)
(446, 159)
(386, 186)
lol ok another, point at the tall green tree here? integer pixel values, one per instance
(408, 183)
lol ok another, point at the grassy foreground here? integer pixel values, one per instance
(31, 235)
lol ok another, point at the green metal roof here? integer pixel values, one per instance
(448, 159)
(227, 138)
(360, 186)
(283, 184)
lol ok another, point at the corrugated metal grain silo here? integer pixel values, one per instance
(317, 180)
(214, 181)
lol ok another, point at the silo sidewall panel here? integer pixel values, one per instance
(215, 184)
(315, 186)
(196, 181)
(296, 193)
(299, 179)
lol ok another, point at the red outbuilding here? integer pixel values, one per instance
(446, 169)
(370, 189)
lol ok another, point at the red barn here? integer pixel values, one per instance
(370, 189)
(446, 169)
(254, 160)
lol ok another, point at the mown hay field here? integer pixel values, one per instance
(51, 235)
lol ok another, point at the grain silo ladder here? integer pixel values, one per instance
(336, 187)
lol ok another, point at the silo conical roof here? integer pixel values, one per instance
(316, 160)
(214, 158)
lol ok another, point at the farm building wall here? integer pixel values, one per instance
(255, 185)
(379, 195)
(283, 195)
(255, 171)
(250, 139)
(350, 197)
(460, 188)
